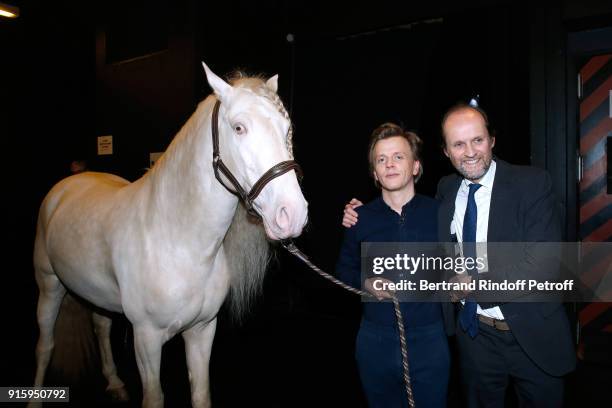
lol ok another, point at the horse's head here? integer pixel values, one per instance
(254, 137)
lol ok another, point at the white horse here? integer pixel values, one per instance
(161, 249)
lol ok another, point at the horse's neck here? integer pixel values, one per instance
(184, 194)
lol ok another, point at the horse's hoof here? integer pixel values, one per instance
(118, 394)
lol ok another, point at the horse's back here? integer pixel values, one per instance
(70, 239)
(77, 187)
(78, 194)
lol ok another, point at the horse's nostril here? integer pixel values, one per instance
(283, 220)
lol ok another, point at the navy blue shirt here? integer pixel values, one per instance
(380, 223)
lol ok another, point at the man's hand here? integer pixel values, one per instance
(457, 295)
(350, 215)
(379, 294)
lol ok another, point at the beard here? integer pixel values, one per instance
(475, 174)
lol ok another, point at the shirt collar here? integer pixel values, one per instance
(381, 205)
(487, 179)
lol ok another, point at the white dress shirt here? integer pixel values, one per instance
(483, 204)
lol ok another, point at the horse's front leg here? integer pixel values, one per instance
(148, 342)
(198, 344)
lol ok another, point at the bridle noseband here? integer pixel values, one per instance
(218, 165)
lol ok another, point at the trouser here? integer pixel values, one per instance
(379, 361)
(488, 362)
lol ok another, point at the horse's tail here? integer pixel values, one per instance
(248, 253)
(75, 356)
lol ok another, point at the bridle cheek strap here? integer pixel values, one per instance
(220, 167)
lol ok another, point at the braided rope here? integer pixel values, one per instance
(404, 350)
(295, 251)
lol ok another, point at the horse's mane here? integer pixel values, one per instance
(257, 84)
(246, 247)
(247, 252)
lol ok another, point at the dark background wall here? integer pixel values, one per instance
(73, 72)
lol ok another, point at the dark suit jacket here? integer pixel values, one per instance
(523, 209)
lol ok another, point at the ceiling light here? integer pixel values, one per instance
(6, 10)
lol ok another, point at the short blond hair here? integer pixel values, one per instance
(387, 130)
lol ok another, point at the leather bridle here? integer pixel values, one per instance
(218, 165)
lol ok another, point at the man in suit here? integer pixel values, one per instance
(528, 343)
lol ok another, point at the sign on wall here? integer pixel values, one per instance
(105, 145)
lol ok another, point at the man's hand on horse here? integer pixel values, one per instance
(350, 215)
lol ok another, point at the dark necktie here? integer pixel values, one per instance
(468, 317)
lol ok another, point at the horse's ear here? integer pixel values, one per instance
(219, 86)
(272, 83)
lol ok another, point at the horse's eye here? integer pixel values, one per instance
(239, 128)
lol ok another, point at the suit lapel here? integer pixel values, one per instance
(500, 197)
